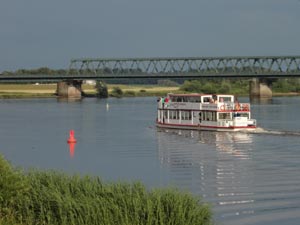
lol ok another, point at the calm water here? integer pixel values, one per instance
(247, 178)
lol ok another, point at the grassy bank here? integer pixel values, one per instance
(27, 90)
(49, 90)
(55, 198)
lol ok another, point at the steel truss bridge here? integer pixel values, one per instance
(186, 67)
(287, 66)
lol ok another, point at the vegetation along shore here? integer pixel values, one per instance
(144, 87)
(37, 197)
(240, 87)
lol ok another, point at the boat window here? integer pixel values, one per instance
(241, 115)
(214, 116)
(225, 99)
(224, 116)
(185, 98)
(206, 99)
(209, 116)
(194, 99)
(176, 99)
(186, 115)
(174, 114)
(166, 114)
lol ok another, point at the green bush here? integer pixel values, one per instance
(12, 183)
(286, 85)
(225, 88)
(209, 88)
(129, 93)
(117, 92)
(192, 86)
(167, 83)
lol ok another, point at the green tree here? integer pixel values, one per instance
(101, 88)
(282, 85)
(167, 83)
(191, 86)
(225, 87)
(209, 88)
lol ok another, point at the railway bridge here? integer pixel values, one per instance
(260, 70)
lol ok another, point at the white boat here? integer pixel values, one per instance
(204, 112)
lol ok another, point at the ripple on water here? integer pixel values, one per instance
(246, 182)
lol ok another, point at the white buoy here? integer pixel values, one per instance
(107, 106)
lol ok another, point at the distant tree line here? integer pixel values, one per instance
(214, 86)
(41, 70)
(237, 86)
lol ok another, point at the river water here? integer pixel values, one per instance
(247, 178)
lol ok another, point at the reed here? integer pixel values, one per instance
(56, 198)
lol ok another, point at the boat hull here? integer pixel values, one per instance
(208, 128)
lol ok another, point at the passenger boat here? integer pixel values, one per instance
(204, 112)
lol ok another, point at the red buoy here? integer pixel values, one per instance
(72, 138)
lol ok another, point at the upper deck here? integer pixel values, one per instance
(210, 102)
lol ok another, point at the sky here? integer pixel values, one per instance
(49, 33)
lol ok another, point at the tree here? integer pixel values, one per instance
(101, 88)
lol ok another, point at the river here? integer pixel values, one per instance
(247, 178)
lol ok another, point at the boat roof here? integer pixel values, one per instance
(186, 95)
(197, 95)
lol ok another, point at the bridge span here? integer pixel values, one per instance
(189, 67)
(258, 68)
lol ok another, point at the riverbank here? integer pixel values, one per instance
(38, 197)
(49, 90)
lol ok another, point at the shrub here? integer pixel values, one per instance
(225, 88)
(209, 88)
(101, 89)
(117, 92)
(129, 93)
(167, 83)
(285, 85)
(192, 86)
(13, 184)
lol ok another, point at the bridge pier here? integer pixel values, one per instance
(69, 89)
(260, 89)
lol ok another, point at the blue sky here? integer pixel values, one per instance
(37, 33)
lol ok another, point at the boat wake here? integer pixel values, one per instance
(260, 130)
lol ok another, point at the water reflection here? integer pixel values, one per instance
(68, 100)
(258, 100)
(72, 149)
(216, 165)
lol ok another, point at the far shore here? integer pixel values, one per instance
(49, 90)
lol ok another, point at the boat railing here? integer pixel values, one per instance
(245, 107)
(230, 106)
(179, 105)
(225, 106)
(220, 106)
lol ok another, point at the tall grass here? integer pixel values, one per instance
(55, 198)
